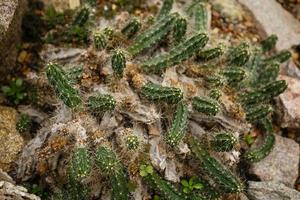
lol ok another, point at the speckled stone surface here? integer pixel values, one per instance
(11, 12)
(281, 165)
(10, 140)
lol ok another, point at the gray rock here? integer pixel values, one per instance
(10, 32)
(290, 69)
(281, 165)
(9, 191)
(273, 19)
(290, 103)
(271, 191)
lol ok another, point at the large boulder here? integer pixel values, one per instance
(10, 32)
(281, 165)
(274, 19)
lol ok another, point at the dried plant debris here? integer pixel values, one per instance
(135, 100)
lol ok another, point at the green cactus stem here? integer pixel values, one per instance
(205, 105)
(256, 113)
(82, 17)
(179, 124)
(24, 124)
(58, 78)
(154, 92)
(265, 93)
(269, 73)
(280, 57)
(269, 43)
(100, 41)
(239, 55)
(201, 18)
(215, 81)
(179, 31)
(165, 9)
(132, 142)
(100, 103)
(133, 26)
(110, 166)
(215, 170)
(163, 187)
(118, 62)
(80, 164)
(215, 94)
(210, 54)
(234, 74)
(223, 142)
(154, 34)
(257, 154)
(177, 54)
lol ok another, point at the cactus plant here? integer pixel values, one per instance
(269, 73)
(133, 26)
(215, 94)
(180, 28)
(205, 105)
(269, 43)
(177, 54)
(58, 78)
(223, 142)
(177, 130)
(239, 55)
(109, 164)
(24, 124)
(234, 74)
(100, 40)
(81, 163)
(265, 93)
(153, 34)
(82, 17)
(132, 142)
(280, 57)
(118, 62)
(100, 103)
(215, 170)
(209, 54)
(159, 93)
(259, 112)
(201, 18)
(165, 9)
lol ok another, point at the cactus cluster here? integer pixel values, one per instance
(24, 124)
(242, 76)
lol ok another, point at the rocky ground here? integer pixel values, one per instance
(33, 162)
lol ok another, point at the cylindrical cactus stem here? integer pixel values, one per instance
(256, 154)
(100, 40)
(80, 164)
(100, 103)
(259, 112)
(269, 73)
(109, 33)
(215, 94)
(223, 142)
(132, 142)
(210, 54)
(154, 34)
(205, 105)
(179, 124)
(265, 93)
(58, 78)
(165, 9)
(234, 74)
(177, 54)
(24, 124)
(110, 165)
(82, 17)
(215, 81)
(215, 170)
(133, 26)
(118, 62)
(161, 186)
(269, 43)
(201, 18)
(239, 55)
(280, 57)
(179, 30)
(154, 92)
